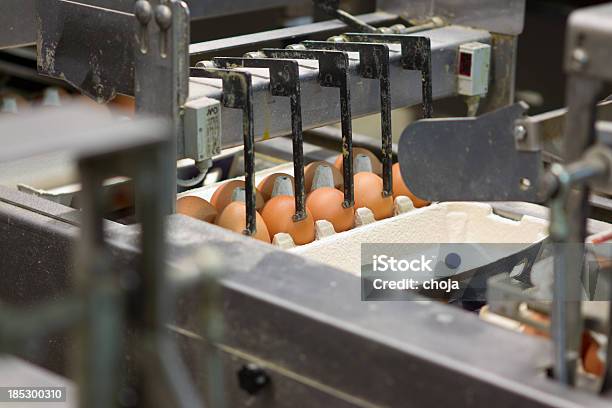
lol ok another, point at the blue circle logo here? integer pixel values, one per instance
(452, 261)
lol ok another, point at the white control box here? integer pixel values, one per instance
(202, 127)
(473, 67)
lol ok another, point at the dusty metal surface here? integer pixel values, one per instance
(81, 44)
(17, 23)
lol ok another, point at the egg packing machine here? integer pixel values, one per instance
(277, 309)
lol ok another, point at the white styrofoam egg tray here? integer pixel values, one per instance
(451, 222)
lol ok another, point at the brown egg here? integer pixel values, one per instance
(223, 195)
(233, 218)
(196, 207)
(538, 317)
(376, 163)
(311, 169)
(266, 187)
(368, 193)
(401, 189)
(325, 203)
(124, 104)
(278, 215)
(86, 101)
(590, 360)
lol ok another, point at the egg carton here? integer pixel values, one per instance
(456, 222)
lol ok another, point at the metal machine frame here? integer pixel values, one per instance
(278, 308)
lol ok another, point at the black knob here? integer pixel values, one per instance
(252, 378)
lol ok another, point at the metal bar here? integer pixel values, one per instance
(374, 60)
(161, 71)
(238, 94)
(323, 29)
(416, 55)
(284, 81)
(331, 7)
(333, 73)
(98, 344)
(566, 311)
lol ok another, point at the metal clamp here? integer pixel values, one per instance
(333, 73)
(416, 56)
(374, 64)
(238, 94)
(284, 81)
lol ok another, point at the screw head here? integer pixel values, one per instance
(300, 47)
(255, 54)
(520, 133)
(397, 28)
(336, 39)
(580, 59)
(143, 11)
(163, 16)
(252, 378)
(205, 64)
(385, 30)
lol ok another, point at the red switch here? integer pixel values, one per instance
(465, 64)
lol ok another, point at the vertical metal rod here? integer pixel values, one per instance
(298, 155)
(567, 322)
(347, 146)
(248, 124)
(161, 82)
(98, 335)
(387, 133)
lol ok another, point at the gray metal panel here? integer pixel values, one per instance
(321, 106)
(498, 16)
(17, 23)
(77, 131)
(89, 47)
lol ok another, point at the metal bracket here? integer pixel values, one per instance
(374, 64)
(478, 161)
(333, 73)
(284, 81)
(89, 47)
(238, 94)
(416, 56)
